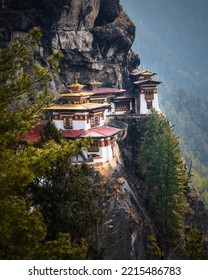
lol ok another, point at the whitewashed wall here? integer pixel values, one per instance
(143, 104)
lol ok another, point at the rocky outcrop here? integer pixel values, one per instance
(134, 127)
(95, 37)
(125, 227)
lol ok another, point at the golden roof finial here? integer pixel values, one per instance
(76, 87)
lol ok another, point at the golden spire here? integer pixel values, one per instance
(94, 84)
(76, 87)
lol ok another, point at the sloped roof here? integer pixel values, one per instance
(102, 131)
(96, 132)
(108, 90)
(141, 82)
(126, 96)
(77, 107)
(34, 134)
(147, 82)
(72, 133)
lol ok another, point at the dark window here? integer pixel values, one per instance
(149, 95)
(94, 146)
(68, 123)
(95, 120)
(122, 106)
(149, 104)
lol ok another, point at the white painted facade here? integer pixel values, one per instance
(106, 152)
(107, 112)
(81, 124)
(143, 104)
(59, 124)
(77, 125)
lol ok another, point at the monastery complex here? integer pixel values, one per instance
(82, 110)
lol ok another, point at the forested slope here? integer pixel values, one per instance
(189, 115)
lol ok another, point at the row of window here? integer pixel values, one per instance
(94, 146)
(95, 121)
(122, 106)
(149, 92)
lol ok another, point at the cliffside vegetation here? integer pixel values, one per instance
(163, 171)
(180, 62)
(189, 116)
(37, 184)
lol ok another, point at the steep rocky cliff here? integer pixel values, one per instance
(196, 212)
(95, 36)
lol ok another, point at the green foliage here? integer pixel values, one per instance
(190, 116)
(66, 199)
(20, 76)
(153, 250)
(164, 172)
(192, 246)
(21, 229)
(23, 233)
(50, 132)
(23, 95)
(63, 249)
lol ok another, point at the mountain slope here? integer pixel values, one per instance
(171, 39)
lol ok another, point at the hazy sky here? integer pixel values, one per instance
(181, 25)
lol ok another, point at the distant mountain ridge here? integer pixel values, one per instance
(172, 36)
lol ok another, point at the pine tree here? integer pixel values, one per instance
(50, 132)
(165, 177)
(65, 197)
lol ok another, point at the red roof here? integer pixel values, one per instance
(102, 131)
(109, 90)
(72, 133)
(34, 135)
(141, 82)
(126, 96)
(147, 83)
(97, 132)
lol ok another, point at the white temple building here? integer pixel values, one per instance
(82, 110)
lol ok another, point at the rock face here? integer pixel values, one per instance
(125, 227)
(95, 36)
(140, 225)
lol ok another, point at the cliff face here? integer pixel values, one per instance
(133, 190)
(95, 36)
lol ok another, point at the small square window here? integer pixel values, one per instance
(68, 123)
